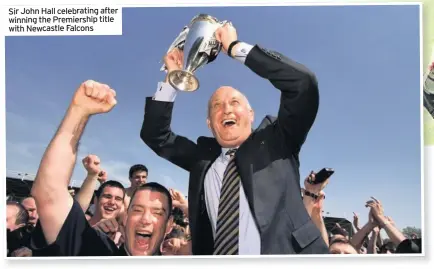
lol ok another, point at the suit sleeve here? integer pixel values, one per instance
(156, 132)
(299, 93)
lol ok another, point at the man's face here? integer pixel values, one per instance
(342, 248)
(11, 217)
(139, 178)
(30, 205)
(110, 202)
(230, 117)
(147, 223)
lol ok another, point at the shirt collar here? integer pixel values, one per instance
(224, 151)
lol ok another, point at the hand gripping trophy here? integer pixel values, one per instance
(200, 47)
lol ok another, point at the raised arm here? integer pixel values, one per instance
(372, 245)
(356, 222)
(50, 188)
(94, 174)
(156, 129)
(377, 212)
(359, 237)
(299, 99)
(313, 200)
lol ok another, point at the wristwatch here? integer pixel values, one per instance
(313, 195)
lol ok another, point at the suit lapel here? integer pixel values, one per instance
(242, 159)
(211, 151)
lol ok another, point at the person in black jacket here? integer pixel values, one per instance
(244, 189)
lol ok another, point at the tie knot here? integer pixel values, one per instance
(231, 152)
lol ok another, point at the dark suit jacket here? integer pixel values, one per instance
(267, 161)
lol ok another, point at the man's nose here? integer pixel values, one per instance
(227, 108)
(111, 201)
(146, 218)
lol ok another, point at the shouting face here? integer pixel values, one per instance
(148, 222)
(230, 117)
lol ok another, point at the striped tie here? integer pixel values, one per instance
(226, 239)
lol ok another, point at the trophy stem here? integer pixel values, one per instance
(183, 80)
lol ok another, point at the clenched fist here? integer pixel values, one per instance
(92, 164)
(174, 60)
(102, 176)
(93, 98)
(226, 35)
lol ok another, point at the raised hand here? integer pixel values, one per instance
(93, 98)
(376, 214)
(102, 176)
(174, 60)
(314, 188)
(178, 199)
(226, 35)
(92, 164)
(390, 220)
(355, 220)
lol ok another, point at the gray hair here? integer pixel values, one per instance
(242, 94)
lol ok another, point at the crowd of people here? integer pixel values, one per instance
(106, 209)
(244, 193)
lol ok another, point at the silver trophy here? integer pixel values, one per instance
(200, 47)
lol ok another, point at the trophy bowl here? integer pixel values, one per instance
(200, 48)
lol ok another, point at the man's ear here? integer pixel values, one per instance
(208, 123)
(169, 226)
(252, 116)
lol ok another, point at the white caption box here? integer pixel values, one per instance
(63, 20)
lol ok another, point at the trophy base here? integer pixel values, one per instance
(183, 81)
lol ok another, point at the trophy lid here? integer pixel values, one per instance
(203, 17)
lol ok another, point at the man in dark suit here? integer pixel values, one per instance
(248, 203)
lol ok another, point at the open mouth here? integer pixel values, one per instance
(229, 122)
(109, 209)
(142, 239)
(144, 234)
